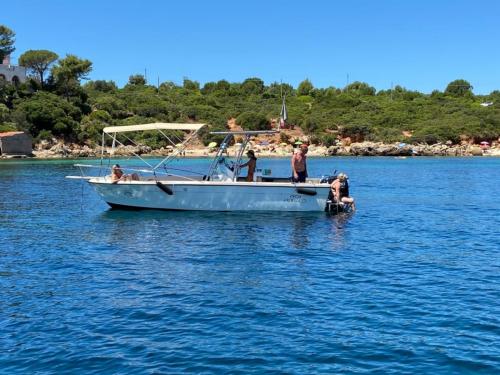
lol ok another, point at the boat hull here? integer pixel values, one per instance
(210, 196)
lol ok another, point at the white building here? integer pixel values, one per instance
(12, 73)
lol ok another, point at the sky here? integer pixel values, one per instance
(421, 45)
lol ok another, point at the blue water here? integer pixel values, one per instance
(410, 283)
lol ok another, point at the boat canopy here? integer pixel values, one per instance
(153, 126)
(247, 132)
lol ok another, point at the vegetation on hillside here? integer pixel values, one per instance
(58, 101)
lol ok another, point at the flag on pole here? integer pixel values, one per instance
(283, 114)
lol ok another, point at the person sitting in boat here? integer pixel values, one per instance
(251, 164)
(118, 175)
(299, 164)
(340, 190)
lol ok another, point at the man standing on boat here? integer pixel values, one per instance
(299, 164)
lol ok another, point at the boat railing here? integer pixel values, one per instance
(153, 174)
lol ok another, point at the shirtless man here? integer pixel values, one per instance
(299, 164)
(117, 175)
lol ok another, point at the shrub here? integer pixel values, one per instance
(215, 125)
(44, 135)
(46, 111)
(305, 88)
(355, 132)
(309, 125)
(328, 140)
(284, 138)
(252, 121)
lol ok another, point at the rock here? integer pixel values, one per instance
(332, 150)
(322, 151)
(344, 151)
(44, 154)
(43, 145)
(132, 150)
(85, 152)
(364, 149)
(476, 151)
(60, 149)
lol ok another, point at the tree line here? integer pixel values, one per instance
(59, 101)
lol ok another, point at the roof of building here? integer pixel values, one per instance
(10, 134)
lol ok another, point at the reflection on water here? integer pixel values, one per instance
(259, 229)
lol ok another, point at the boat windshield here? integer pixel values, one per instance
(222, 166)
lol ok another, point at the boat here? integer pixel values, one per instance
(220, 188)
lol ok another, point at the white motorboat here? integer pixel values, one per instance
(220, 189)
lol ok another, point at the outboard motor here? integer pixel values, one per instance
(328, 179)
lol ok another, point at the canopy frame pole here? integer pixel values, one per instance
(176, 149)
(164, 160)
(116, 140)
(102, 152)
(237, 168)
(219, 153)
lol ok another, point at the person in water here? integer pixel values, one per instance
(340, 190)
(118, 175)
(251, 164)
(299, 164)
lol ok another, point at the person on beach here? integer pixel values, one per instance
(299, 164)
(340, 190)
(118, 175)
(251, 164)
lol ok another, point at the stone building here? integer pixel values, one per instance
(15, 143)
(12, 73)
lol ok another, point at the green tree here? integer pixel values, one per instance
(38, 61)
(360, 88)
(252, 121)
(223, 85)
(4, 113)
(7, 40)
(190, 85)
(459, 88)
(277, 89)
(68, 73)
(252, 86)
(208, 88)
(46, 111)
(101, 86)
(167, 86)
(305, 87)
(137, 80)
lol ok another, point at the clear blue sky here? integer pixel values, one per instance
(421, 44)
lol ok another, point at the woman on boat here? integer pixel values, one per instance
(251, 164)
(340, 190)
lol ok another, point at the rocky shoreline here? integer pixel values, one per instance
(46, 150)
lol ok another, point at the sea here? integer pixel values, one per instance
(408, 284)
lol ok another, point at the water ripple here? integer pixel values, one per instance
(408, 284)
